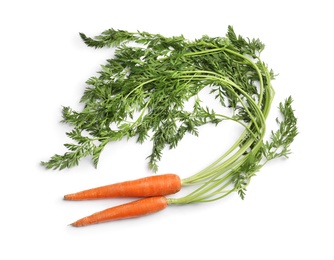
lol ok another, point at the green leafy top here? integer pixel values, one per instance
(141, 93)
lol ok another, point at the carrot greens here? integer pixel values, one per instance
(141, 92)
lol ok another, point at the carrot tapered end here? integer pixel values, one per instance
(77, 224)
(69, 197)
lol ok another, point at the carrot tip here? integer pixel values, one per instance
(66, 197)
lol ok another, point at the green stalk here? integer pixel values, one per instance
(221, 169)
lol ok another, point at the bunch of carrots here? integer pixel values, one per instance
(240, 80)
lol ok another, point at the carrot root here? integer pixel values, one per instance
(133, 209)
(158, 185)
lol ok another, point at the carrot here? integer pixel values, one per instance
(158, 185)
(133, 209)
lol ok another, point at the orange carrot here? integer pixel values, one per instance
(133, 209)
(158, 185)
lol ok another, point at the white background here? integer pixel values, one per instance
(288, 210)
